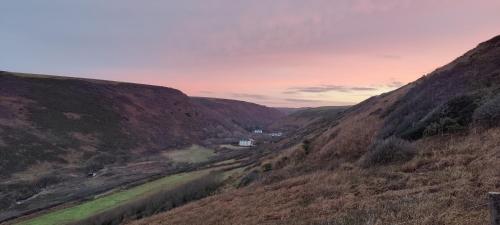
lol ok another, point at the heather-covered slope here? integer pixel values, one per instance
(453, 92)
(358, 171)
(65, 120)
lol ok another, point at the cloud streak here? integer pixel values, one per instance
(328, 88)
(251, 96)
(317, 102)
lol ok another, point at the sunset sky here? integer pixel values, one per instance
(275, 52)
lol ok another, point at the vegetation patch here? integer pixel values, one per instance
(488, 114)
(391, 150)
(453, 116)
(23, 148)
(249, 178)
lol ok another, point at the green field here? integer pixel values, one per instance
(87, 209)
(193, 154)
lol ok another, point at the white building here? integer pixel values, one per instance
(276, 134)
(247, 142)
(258, 131)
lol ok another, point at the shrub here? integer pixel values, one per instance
(426, 119)
(248, 179)
(267, 167)
(389, 151)
(488, 114)
(99, 161)
(443, 126)
(306, 145)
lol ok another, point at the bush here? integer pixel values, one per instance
(248, 179)
(306, 145)
(443, 126)
(488, 114)
(389, 151)
(267, 167)
(420, 120)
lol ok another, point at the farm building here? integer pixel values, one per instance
(276, 134)
(258, 131)
(246, 142)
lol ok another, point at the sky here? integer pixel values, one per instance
(286, 53)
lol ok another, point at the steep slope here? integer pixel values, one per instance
(453, 91)
(58, 119)
(441, 177)
(54, 118)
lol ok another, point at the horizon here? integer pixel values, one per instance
(281, 54)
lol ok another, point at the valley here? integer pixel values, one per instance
(424, 154)
(136, 154)
(75, 139)
(286, 112)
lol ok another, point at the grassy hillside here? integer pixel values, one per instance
(424, 154)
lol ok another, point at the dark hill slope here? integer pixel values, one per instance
(453, 92)
(306, 117)
(70, 121)
(346, 174)
(239, 114)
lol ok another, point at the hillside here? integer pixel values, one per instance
(58, 129)
(55, 118)
(306, 117)
(248, 116)
(426, 153)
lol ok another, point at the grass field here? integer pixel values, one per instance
(87, 209)
(193, 154)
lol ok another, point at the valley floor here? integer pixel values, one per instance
(198, 161)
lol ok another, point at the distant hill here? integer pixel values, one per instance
(81, 122)
(302, 118)
(289, 111)
(248, 116)
(426, 153)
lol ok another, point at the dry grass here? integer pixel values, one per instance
(445, 184)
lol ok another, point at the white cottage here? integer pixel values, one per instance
(276, 134)
(247, 142)
(258, 131)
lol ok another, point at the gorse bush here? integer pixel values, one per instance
(443, 126)
(388, 151)
(266, 167)
(451, 116)
(488, 114)
(248, 179)
(306, 145)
